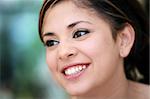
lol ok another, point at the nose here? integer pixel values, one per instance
(66, 51)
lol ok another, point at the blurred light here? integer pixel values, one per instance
(22, 28)
(0, 23)
(8, 3)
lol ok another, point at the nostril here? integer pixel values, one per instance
(70, 55)
(66, 53)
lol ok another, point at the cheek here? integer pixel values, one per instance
(103, 53)
(98, 47)
(51, 61)
(104, 56)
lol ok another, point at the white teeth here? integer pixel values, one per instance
(80, 67)
(66, 71)
(84, 67)
(74, 70)
(77, 69)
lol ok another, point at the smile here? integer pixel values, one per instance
(74, 71)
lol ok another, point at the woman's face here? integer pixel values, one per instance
(80, 52)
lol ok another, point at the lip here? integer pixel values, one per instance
(74, 76)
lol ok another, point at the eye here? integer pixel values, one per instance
(50, 43)
(80, 32)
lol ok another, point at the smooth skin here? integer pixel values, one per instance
(77, 35)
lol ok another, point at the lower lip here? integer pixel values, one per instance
(75, 76)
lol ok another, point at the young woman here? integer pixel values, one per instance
(92, 47)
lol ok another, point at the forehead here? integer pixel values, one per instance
(65, 13)
(63, 9)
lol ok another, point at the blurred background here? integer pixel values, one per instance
(23, 71)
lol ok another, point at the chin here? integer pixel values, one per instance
(79, 90)
(76, 92)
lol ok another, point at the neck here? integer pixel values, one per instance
(114, 88)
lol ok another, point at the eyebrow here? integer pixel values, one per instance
(48, 34)
(69, 26)
(77, 22)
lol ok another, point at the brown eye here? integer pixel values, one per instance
(80, 33)
(50, 43)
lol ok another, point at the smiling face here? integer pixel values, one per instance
(80, 50)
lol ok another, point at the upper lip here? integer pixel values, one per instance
(72, 65)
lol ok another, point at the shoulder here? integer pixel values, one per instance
(139, 90)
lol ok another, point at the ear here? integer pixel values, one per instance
(125, 40)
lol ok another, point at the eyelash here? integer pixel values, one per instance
(50, 43)
(77, 34)
(80, 32)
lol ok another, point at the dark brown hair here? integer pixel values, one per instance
(118, 13)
